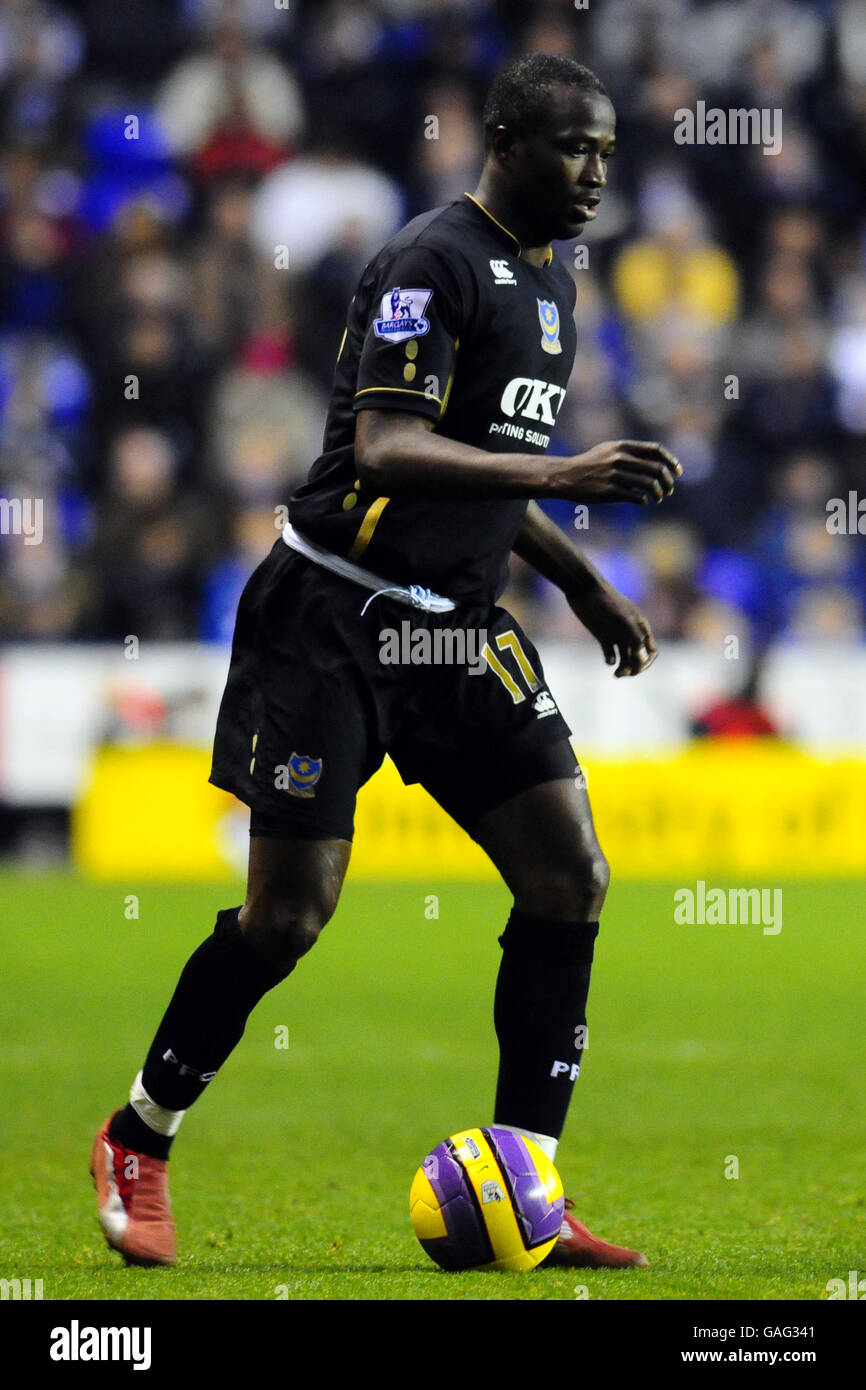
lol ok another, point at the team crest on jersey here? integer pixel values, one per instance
(549, 317)
(304, 773)
(403, 315)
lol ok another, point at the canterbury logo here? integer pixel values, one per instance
(503, 273)
(544, 704)
(534, 400)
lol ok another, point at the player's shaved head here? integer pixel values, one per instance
(520, 97)
(549, 130)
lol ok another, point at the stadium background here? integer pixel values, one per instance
(188, 191)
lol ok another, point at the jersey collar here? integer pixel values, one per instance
(510, 235)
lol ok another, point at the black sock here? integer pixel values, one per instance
(540, 1018)
(128, 1128)
(221, 984)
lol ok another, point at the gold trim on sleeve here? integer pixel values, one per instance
(400, 391)
(450, 381)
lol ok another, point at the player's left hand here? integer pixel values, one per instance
(619, 627)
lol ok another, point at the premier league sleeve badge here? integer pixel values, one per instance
(402, 315)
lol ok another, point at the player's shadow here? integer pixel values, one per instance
(284, 1270)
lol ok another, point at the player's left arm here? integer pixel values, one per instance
(617, 624)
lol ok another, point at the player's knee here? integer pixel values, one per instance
(282, 931)
(574, 887)
(598, 874)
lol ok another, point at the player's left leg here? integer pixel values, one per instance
(493, 748)
(544, 845)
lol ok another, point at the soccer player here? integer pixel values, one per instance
(454, 364)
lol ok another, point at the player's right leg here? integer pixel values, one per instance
(295, 738)
(292, 891)
(287, 748)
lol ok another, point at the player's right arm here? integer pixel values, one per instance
(397, 452)
(398, 448)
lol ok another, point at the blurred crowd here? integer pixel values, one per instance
(190, 188)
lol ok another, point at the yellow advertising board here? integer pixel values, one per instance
(729, 807)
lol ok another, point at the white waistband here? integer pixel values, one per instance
(413, 594)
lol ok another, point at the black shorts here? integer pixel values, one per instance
(315, 699)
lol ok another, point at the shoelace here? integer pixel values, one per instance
(419, 597)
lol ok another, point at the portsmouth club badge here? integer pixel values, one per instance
(402, 315)
(304, 773)
(549, 317)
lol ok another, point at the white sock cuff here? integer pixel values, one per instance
(165, 1122)
(545, 1142)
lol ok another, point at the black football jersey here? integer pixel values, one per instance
(449, 322)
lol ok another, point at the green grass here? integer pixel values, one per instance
(294, 1169)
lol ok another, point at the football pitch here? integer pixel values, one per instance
(718, 1123)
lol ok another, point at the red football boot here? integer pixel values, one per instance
(134, 1208)
(580, 1249)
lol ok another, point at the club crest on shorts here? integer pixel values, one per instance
(304, 773)
(402, 315)
(548, 315)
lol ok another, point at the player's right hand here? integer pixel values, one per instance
(630, 470)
